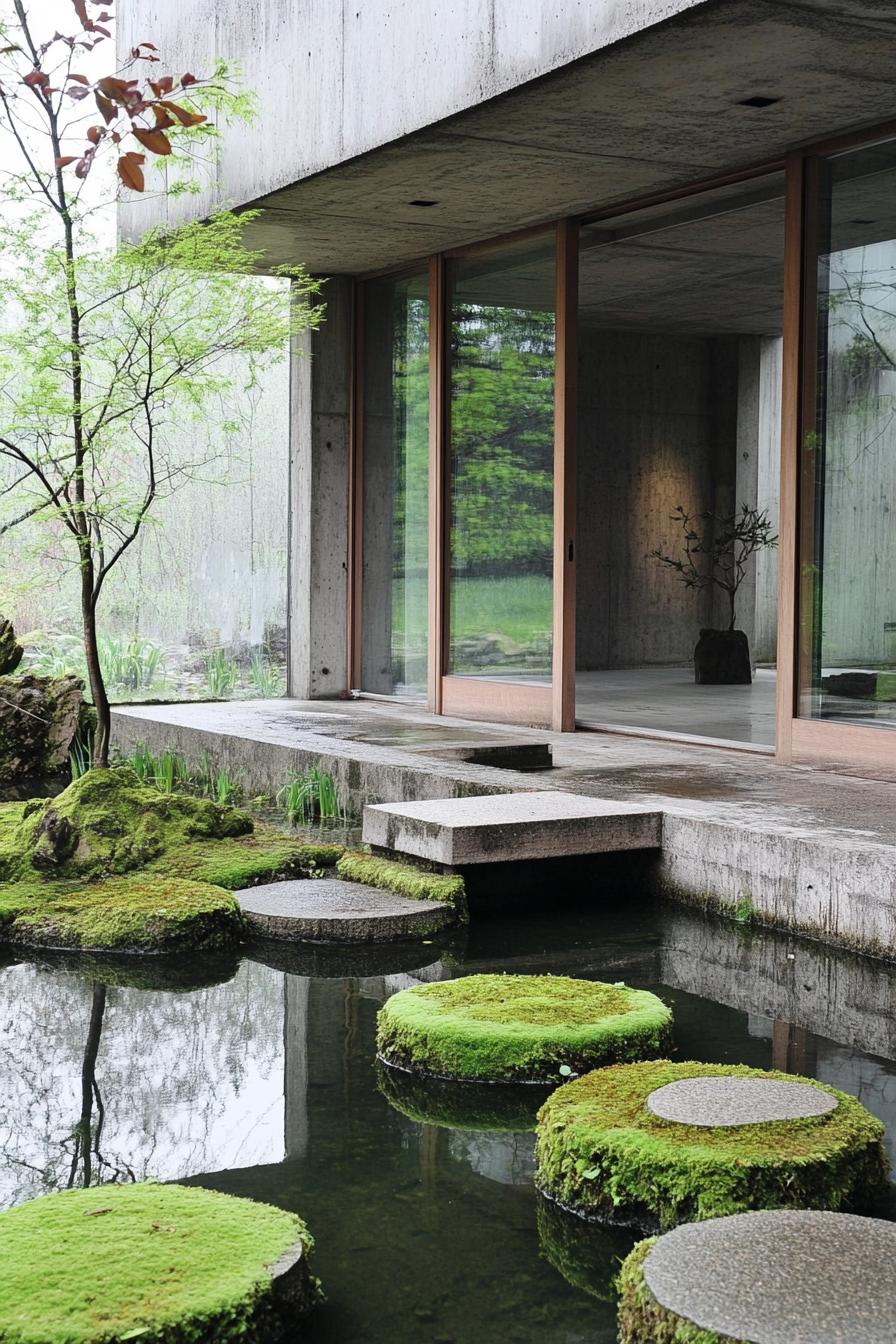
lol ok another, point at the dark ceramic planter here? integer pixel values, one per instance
(722, 658)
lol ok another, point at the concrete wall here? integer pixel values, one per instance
(335, 78)
(668, 419)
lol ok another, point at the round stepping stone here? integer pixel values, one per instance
(710, 1102)
(785, 1277)
(152, 1262)
(606, 1153)
(518, 1028)
(329, 911)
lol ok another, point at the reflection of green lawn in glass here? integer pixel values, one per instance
(498, 626)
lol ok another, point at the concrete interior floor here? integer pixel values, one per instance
(666, 700)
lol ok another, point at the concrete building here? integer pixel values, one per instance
(590, 262)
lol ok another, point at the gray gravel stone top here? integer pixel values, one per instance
(329, 910)
(788, 1277)
(713, 1102)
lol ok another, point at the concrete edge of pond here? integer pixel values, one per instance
(781, 867)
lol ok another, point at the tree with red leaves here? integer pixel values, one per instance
(107, 357)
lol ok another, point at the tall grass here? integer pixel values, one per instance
(312, 796)
(170, 772)
(221, 675)
(266, 677)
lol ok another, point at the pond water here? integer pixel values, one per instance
(256, 1076)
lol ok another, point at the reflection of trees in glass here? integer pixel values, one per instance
(159, 1084)
(502, 438)
(859, 311)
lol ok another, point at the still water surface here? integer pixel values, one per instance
(256, 1076)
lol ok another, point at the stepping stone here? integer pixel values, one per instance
(662, 1142)
(782, 1277)
(497, 827)
(712, 1102)
(329, 911)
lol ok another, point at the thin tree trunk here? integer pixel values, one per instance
(100, 752)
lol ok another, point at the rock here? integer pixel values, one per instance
(10, 650)
(853, 685)
(39, 719)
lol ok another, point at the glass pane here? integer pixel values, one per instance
(849, 556)
(502, 454)
(394, 591)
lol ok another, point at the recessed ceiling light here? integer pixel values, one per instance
(757, 101)
(423, 205)
(861, 221)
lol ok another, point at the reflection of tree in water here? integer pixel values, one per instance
(160, 1084)
(88, 1166)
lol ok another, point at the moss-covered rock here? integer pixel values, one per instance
(519, 1028)
(109, 822)
(642, 1320)
(483, 1107)
(405, 880)
(39, 719)
(137, 913)
(603, 1154)
(11, 651)
(164, 1264)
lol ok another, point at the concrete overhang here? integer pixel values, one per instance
(659, 108)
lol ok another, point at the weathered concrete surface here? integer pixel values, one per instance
(329, 911)
(508, 828)
(319, 413)
(807, 849)
(714, 1102)
(781, 1277)
(504, 112)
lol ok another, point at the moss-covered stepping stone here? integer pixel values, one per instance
(785, 1277)
(726, 1143)
(158, 1263)
(519, 1028)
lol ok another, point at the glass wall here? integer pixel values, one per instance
(501, 434)
(848, 570)
(395, 490)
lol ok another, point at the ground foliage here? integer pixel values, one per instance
(506, 1028)
(602, 1153)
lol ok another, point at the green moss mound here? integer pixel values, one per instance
(404, 880)
(162, 1264)
(519, 1028)
(642, 1320)
(264, 855)
(601, 1153)
(135, 914)
(587, 1255)
(107, 822)
(483, 1107)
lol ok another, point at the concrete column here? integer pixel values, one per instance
(747, 466)
(295, 1071)
(320, 399)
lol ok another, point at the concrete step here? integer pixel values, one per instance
(496, 828)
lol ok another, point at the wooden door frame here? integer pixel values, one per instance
(802, 740)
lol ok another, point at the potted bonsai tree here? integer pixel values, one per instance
(717, 551)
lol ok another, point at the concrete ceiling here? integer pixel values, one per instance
(658, 110)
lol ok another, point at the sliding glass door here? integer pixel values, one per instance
(501, 349)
